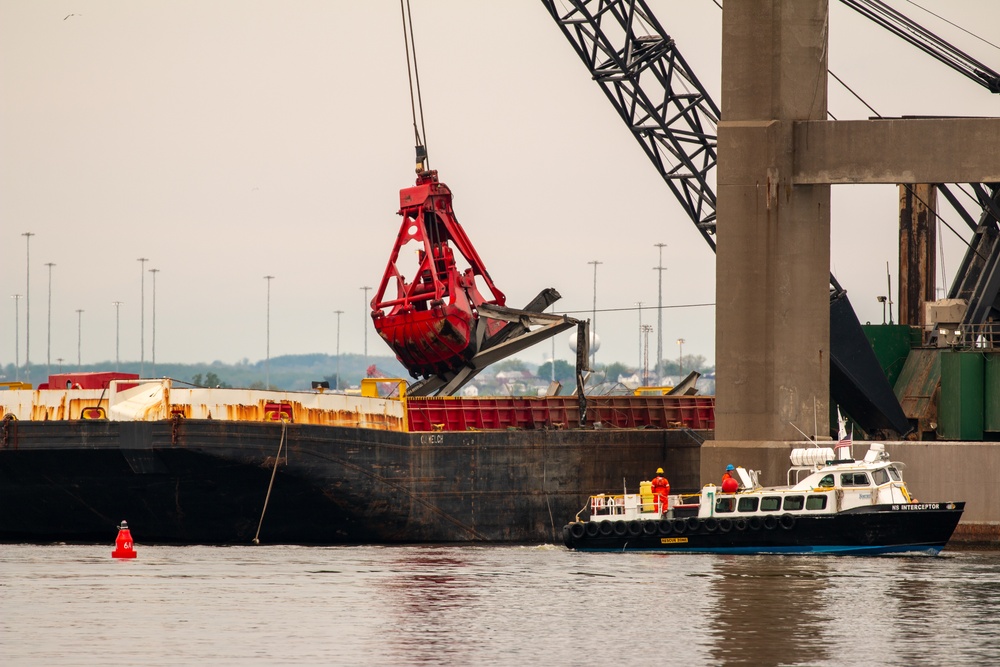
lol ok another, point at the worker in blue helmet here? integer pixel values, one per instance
(729, 483)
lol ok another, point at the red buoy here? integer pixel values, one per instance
(124, 548)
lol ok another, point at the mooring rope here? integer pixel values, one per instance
(274, 472)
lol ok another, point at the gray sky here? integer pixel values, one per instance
(229, 140)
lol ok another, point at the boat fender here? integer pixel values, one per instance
(725, 525)
(740, 524)
(649, 527)
(756, 523)
(620, 528)
(664, 526)
(787, 521)
(679, 526)
(693, 523)
(770, 522)
(634, 528)
(606, 528)
(591, 529)
(576, 530)
(567, 539)
(711, 525)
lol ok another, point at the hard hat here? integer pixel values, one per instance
(730, 467)
(659, 471)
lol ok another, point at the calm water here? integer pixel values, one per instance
(491, 605)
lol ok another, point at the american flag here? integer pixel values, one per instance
(846, 440)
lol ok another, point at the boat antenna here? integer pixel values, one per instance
(815, 421)
(808, 439)
(413, 75)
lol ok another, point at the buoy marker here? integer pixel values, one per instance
(124, 547)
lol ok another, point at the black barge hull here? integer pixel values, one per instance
(203, 481)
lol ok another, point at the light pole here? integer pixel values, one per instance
(17, 339)
(60, 360)
(552, 374)
(339, 313)
(48, 347)
(142, 316)
(79, 329)
(646, 328)
(593, 318)
(680, 358)
(117, 305)
(154, 272)
(659, 310)
(27, 305)
(641, 332)
(267, 363)
(364, 320)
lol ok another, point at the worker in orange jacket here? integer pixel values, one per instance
(729, 483)
(661, 490)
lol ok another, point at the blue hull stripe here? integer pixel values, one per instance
(834, 550)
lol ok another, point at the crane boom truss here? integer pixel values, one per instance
(925, 40)
(655, 92)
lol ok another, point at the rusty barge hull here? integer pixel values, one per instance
(204, 481)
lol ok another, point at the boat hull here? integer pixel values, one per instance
(204, 481)
(873, 530)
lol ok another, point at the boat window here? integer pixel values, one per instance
(827, 481)
(748, 504)
(793, 503)
(816, 503)
(770, 504)
(880, 476)
(854, 479)
(724, 504)
(896, 477)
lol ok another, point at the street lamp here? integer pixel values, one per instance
(48, 348)
(339, 313)
(882, 300)
(364, 320)
(267, 363)
(117, 305)
(17, 340)
(641, 331)
(593, 319)
(27, 305)
(60, 360)
(79, 329)
(659, 268)
(154, 272)
(645, 329)
(142, 316)
(680, 358)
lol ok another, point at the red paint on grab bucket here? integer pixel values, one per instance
(124, 548)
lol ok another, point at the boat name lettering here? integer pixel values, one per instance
(918, 506)
(673, 540)
(432, 439)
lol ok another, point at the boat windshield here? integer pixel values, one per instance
(894, 473)
(854, 479)
(880, 476)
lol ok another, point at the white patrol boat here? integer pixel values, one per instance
(832, 504)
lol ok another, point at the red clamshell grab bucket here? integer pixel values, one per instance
(431, 322)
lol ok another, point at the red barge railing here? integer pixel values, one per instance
(555, 412)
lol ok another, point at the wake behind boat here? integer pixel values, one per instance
(832, 504)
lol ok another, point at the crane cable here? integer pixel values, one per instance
(413, 75)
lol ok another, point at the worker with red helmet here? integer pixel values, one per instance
(661, 490)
